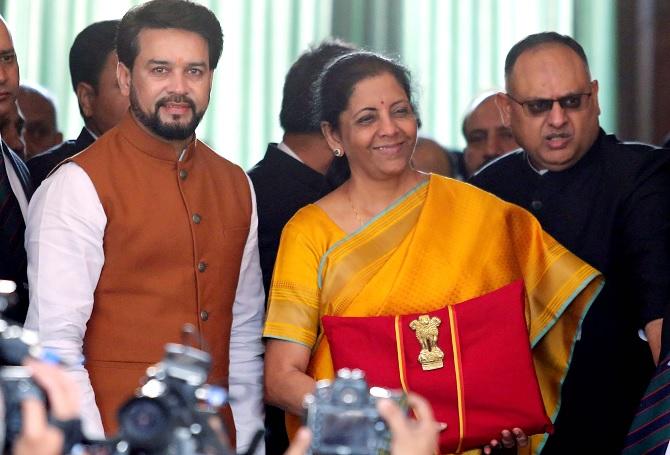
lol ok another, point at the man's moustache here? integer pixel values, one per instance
(179, 99)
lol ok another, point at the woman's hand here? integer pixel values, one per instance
(508, 440)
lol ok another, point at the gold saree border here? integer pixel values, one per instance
(373, 243)
(582, 298)
(564, 279)
(458, 370)
(401, 358)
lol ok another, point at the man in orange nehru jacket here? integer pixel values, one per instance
(149, 229)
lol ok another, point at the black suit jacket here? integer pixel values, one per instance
(283, 185)
(612, 209)
(42, 164)
(20, 168)
(8, 269)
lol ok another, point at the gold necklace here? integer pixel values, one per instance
(353, 208)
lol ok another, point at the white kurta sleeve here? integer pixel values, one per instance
(246, 348)
(64, 236)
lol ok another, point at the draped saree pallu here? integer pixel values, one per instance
(443, 243)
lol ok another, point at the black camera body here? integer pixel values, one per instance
(170, 413)
(16, 383)
(343, 416)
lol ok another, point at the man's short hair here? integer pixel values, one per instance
(472, 107)
(168, 14)
(89, 52)
(299, 112)
(543, 39)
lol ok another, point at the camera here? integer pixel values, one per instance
(343, 417)
(16, 344)
(17, 385)
(170, 413)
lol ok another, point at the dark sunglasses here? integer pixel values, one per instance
(541, 106)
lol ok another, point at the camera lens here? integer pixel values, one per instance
(146, 424)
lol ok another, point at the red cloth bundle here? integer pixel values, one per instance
(486, 383)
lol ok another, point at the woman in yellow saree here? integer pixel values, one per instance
(391, 241)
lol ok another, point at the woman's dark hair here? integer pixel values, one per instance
(166, 14)
(338, 80)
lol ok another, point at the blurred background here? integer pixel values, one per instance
(455, 49)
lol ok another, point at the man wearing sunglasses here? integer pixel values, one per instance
(608, 202)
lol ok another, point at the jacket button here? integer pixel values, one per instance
(202, 266)
(536, 205)
(196, 218)
(183, 174)
(204, 315)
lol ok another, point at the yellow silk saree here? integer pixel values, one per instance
(442, 243)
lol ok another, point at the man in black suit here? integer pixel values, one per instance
(101, 104)
(15, 188)
(291, 175)
(609, 203)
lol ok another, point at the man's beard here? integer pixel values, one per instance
(168, 131)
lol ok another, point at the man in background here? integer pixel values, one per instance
(41, 127)
(12, 128)
(609, 203)
(291, 175)
(485, 134)
(93, 62)
(15, 187)
(430, 157)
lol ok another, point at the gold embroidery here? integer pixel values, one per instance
(431, 355)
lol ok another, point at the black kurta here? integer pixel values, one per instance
(612, 209)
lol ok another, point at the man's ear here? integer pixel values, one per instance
(86, 98)
(123, 78)
(594, 94)
(504, 108)
(332, 136)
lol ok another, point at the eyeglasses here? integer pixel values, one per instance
(541, 106)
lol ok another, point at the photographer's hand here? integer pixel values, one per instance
(409, 436)
(38, 436)
(62, 392)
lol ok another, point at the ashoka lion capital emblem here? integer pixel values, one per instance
(431, 355)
